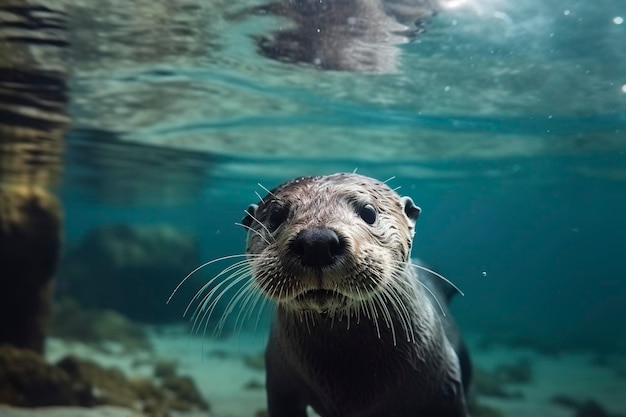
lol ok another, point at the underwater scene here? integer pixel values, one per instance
(332, 208)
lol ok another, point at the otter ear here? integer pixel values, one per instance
(247, 220)
(410, 209)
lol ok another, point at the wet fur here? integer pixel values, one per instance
(383, 346)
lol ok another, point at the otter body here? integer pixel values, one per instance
(359, 331)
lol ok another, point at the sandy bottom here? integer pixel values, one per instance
(225, 373)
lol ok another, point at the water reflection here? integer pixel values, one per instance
(190, 76)
(486, 79)
(33, 93)
(357, 35)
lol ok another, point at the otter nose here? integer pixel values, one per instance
(317, 247)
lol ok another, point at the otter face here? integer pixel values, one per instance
(328, 243)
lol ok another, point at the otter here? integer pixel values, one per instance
(359, 330)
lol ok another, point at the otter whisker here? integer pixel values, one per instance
(364, 306)
(258, 296)
(394, 299)
(230, 307)
(252, 291)
(253, 231)
(209, 302)
(264, 302)
(264, 279)
(443, 313)
(306, 321)
(204, 265)
(265, 189)
(251, 300)
(400, 307)
(375, 295)
(204, 306)
(260, 198)
(374, 315)
(281, 285)
(207, 309)
(416, 279)
(210, 309)
(332, 319)
(359, 307)
(259, 222)
(386, 315)
(219, 326)
(226, 270)
(393, 177)
(438, 275)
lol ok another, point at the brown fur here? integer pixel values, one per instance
(358, 334)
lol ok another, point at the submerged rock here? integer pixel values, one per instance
(97, 328)
(587, 408)
(480, 410)
(131, 269)
(26, 380)
(491, 384)
(517, 373)
(256, 362)
(30, 242)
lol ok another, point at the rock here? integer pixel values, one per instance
(490, 384)
(256, 362)
(66, 411)
(111, 385)
(565, 401)
(165, 369)
(133, 270)
(480, 410)
(518, 373)
(254, 384)
(97, 328)
(591, 408)
(587, 408)
(184, 393)
(30, 242)
(154, 398)
(26, 380)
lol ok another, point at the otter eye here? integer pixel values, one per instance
(276, 217)
(367, 213)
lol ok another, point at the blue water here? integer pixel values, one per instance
(536, 258)
(505, 122)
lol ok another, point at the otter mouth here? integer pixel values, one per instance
(321, 300)
(318, 295)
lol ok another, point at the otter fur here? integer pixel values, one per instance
(360, 330)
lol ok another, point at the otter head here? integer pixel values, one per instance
(328, 243)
